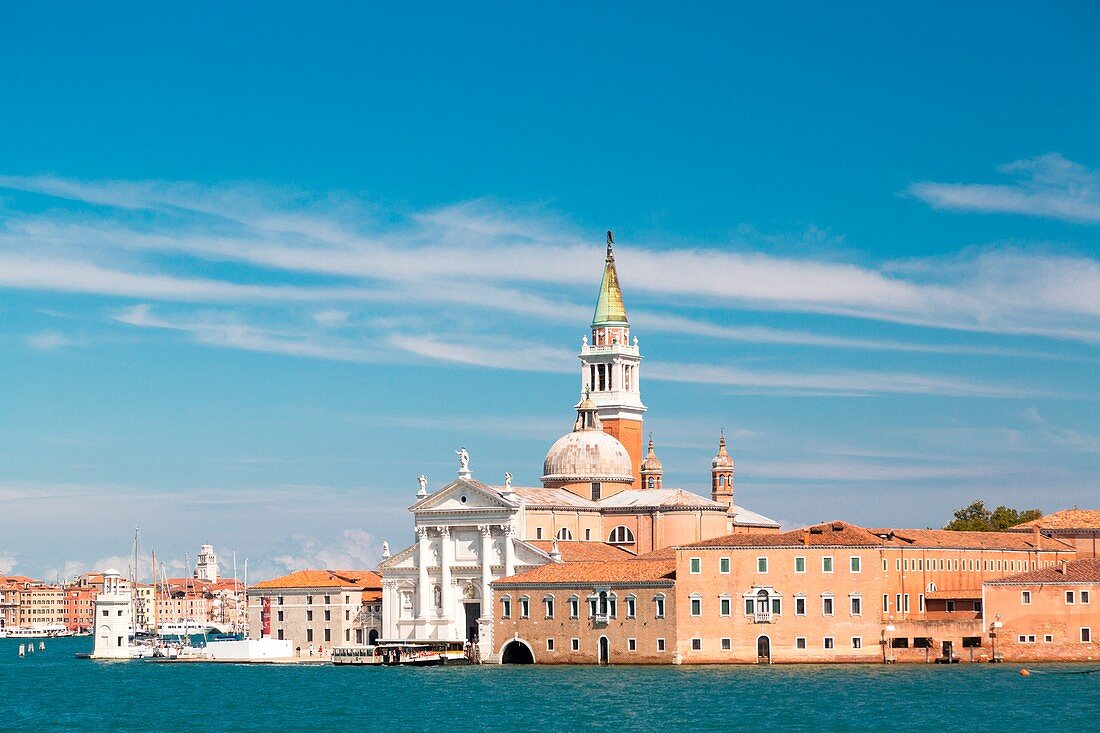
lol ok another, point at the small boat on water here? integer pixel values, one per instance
(39, 631)
(405, 653)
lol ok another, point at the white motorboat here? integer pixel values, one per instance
(39, 631)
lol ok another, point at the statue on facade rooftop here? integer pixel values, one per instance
(463, 459)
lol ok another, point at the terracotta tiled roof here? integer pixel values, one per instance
(617, 572)
(312, 579)
(579, 551)
(1066, 519)
(944, 538)
(1085, 570)
(368, 578)
(829, 534)
(968, 594)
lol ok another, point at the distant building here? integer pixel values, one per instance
(207, 566)
(1078, 527)
(832, 592)
(1048, 614)
(113, 614)
(323, 608)
(597, 487)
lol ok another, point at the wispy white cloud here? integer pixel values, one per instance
(1048, 185)
(8, 561)
(351, 549)
(52, 340)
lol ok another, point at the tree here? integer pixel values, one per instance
(976, 518)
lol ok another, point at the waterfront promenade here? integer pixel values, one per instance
(59, 692)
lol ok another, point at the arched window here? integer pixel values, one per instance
(652, 482)
(931, 587)
(564, 534)
(621, 535)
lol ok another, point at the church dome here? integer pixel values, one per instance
(587, 453)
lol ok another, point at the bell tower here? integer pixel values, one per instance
(721, 475)
(609, 366)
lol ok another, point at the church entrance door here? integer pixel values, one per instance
(473, 613)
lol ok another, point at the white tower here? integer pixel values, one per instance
(113, 615)
(207, 566)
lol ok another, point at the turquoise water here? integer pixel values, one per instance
(53, 691)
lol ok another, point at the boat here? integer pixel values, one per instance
(39, 631)
(187, 627)
(407, 653)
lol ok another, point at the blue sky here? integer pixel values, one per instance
(259, 271)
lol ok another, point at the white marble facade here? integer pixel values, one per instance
(467, 536)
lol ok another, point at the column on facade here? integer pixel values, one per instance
(391, 609)
(423, 586)
(446, 559)
(509, 550)
(486, 567)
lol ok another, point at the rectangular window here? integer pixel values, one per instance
(575, 644)
(920, 602)
(696, 566)
(906, 598)
(897, 602)
(328, 615)
(549, 645)
(280, 616)
(724, 606)
(897, 565)
(826, 564)
(761, 564)
(1069, 597)
(1084, 596)
(800, 642)
(776, 606)
(631, 607)
(827, 605)
(506, 608)
(328, 600)
(857, 605)
(829, 642)
(855, 564)
(549, 607)
(800, 564)
(950, 606)
(280, 634)
(750, 607)
(696, 606)
(799, 606)
(885, 603)
(588, 535)
(309, 615)
(660, 645)
(885, 565)
(309, 634)
(659, 610)
(632, 645)
(538, 533)
(1049, 638)
(309, 600)
(727, 644)
(1086, 635)
(696, 644)
(574, 607)
(857, 642)
(328, 634)
(724, 565)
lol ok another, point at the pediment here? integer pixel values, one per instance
(463, 495)
(404, 560)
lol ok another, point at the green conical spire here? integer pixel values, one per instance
(609, 304)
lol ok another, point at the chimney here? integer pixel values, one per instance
(1035, 535)
(1062, 566)
(806, 536)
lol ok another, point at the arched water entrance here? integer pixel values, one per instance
(605, 651)
(372, 637)
(763, 650)
(516, 652)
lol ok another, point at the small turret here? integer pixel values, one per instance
(721, 475)
(652, 471)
